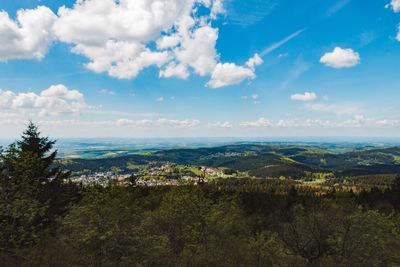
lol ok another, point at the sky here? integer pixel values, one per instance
(200, 68)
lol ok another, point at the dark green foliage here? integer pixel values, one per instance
(47, 221)
(32, 192)
(203, 226)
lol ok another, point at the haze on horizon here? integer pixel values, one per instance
(200, 68)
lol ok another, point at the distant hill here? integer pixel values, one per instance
(262, 160)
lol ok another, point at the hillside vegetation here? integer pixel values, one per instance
(47, 220)
(262, 161)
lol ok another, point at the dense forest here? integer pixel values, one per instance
(46, 220)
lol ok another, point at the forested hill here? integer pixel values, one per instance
(48, 219)
(261, 160)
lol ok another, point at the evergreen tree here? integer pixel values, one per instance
(31, 189)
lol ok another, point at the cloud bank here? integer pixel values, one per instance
(121, 38)
(55, 100)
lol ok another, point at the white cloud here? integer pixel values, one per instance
(137, 123)
(168, 41)
(357, 121)
(361, 121)
(114, 35)
(333, 108)
(226, 124)
(94, 22)
(55, 100)
(123, 60)
(355, 125)
(177, 123)
(307, 96)
(229, 74)
(163, 122)
(29, 36)
(217, 8)
(160, 99)
(159, 123)
(174, 70)
(261, 122)
(254, 61)
(296, 123)
(341, 58)
(118, 37)
(198, 50)
(395, 5)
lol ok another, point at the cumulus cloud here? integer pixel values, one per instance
(175, 70)
(114, 35)
(341, 58)
(198, 50)
(94, 22)
(229, 74)
(55, 100)
(254, 61)
(225, 74)
(395, 5)
(29, 36)
(307, 96)
(123, 60)
(261, 122)
(121, 38)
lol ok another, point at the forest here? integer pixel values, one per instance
(47, 220)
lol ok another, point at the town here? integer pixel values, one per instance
(154, 175)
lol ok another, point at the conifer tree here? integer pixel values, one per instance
(30, 189)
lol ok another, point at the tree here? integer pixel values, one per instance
(395, 192)
(30, 189)
(266, 251)
(306, 235)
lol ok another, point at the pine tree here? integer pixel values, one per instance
(33, 145)
(31, 189)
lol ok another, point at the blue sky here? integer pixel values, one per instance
(231, 67)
